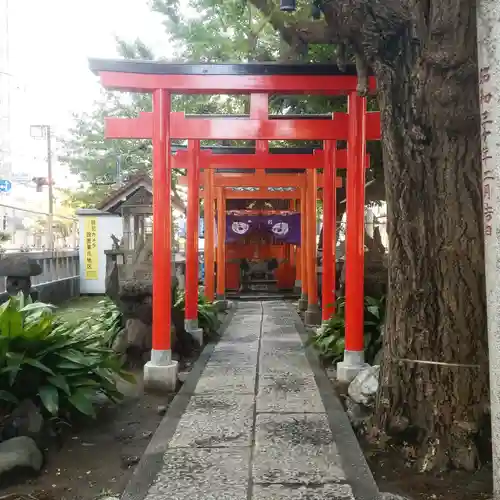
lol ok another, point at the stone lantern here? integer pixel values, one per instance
(18, 270)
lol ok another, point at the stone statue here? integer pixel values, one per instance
(116, 242)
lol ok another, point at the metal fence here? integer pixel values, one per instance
(57, 267)
(24, 230)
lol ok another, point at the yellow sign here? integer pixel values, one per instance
(90, 255)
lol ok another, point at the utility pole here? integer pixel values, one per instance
(44, 131)
(488, 36)
(51, 192)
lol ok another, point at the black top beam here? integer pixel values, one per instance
(249, 69)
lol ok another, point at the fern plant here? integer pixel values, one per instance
(330, 339)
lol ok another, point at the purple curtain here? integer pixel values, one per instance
(285, 228)
(239, 226)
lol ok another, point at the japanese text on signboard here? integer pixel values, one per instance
(90, 249)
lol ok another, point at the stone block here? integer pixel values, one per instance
(216, 420)
(202, 474)
(216, 384)
(289, 392)
(295, 449)
(315, 492)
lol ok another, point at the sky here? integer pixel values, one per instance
(50, 42)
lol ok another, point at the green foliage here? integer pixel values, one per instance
(208, 319)
(62, 366)
(214, 31)
(330, 340)
(107, 319)
(199, 31)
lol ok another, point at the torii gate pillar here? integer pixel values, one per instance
(192, 257)
(354, 356)
(313, 314)
(161, 372)
(303, 249)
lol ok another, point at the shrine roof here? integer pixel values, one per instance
(121, 194)
(238, 69)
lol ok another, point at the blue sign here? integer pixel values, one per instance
(5, 186)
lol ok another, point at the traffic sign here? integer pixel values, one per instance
(5, 186)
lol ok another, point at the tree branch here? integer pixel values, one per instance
(308, 32)
(364, 25)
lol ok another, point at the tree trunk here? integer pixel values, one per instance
(434, 377)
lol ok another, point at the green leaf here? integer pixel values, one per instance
(9, 397)
(37, 364)
(82, 402)
(127, 376)
(370, 301)
(60, 382)
(75, 357)
(14, 362)
(49, 396)
(69, 366)
(35, 306)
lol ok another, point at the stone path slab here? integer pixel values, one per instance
(256, 425)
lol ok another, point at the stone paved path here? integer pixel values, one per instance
(256, 426)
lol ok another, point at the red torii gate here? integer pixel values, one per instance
(258, 80)
(296, 180)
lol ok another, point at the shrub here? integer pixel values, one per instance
(108, 319)
(208, 319)
(330, 340)
(62, 366)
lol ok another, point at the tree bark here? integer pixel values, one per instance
(434, 377)
(436, 306)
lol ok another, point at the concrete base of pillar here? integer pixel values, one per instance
(297, 287)
(354, 362)
(313, 315)
(221, 304)
(191, 326)
(303, 302)
(160, 374)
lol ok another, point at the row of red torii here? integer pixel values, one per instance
(259, 81)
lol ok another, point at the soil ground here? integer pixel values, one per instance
(98, 458)
(393, 473)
